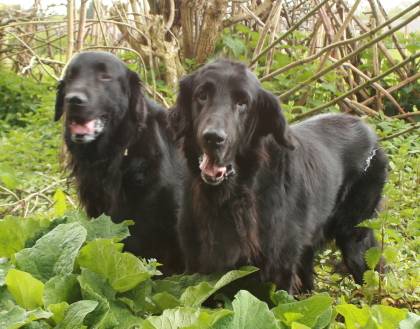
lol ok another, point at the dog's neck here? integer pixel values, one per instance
(99, 167)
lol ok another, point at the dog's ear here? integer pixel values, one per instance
(136, 103)
(59, 101)
(180, 114)
(272, 121)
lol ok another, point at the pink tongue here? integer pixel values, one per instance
(210, 169)
(82, 129)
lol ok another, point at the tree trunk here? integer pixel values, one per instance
(210, 29)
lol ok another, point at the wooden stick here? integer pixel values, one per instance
(355, 52)
(370, 81)
(293, 28)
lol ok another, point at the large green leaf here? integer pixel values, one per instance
(314, 312)
(15, 231)
(26, 290)
(185, 318)
(61, 288)
(354, 317)
(58, 310)
(193, 290)
(102, 227)
(411, 322)
(95, 287)
(16, 317)
(124, 271)
(109, 313)
(388, 317)
(251, 313)
(13, 318)
(76, 313)
(54, 253)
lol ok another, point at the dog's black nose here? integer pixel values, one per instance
(214, 137)
(76, 98)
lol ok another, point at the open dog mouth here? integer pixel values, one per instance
(213, 174)
(85, 132)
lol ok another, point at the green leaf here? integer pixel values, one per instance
(61, 288)
(26, 290)
(390, 254)
(138, 299)
(411, 322)
(76, 313)
(124, 271)
(354, 317)
(8, 176)
(235, 45)
(54, 253)
(15, 231)
(94, 287)
(60, 205)
(281, 297)
(4, 268)
(251, 313)
(104, 228)
(13, 318)
(164, 300)
(316, 311)
(185, 318)
(372, 257)
(109, 313)
(388, 317)
(371, 278)
(16, 317)
(58, 311)
(196, 295)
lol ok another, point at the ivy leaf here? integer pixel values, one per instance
(26, 290)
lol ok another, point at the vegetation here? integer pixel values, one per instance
(50, 251)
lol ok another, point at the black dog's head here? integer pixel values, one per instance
(96, 94)
(221, 112)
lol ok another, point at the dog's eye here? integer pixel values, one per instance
(241, 102)
(202, 96)
(105, 77)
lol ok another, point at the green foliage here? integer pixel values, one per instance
(18, 97)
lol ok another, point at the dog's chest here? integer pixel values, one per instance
(227, 229)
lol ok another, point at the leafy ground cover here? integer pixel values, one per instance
(61, 270)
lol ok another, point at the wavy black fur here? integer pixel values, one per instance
(132, 170)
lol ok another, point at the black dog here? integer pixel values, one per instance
(263, 193)
(121, 153)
